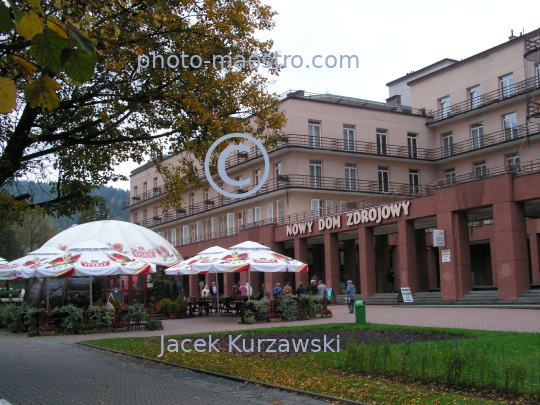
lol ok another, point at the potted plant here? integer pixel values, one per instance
(249, 316)
(173, 310)
(274, 317)
(47, 329)
(183, 307)
(120, 326)
(326, 313)
(163, 307)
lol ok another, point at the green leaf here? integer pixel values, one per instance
(43, 92)
(16, 12)
(84, 42)
(79, 66)
(47, 50)
(8, 95)
(6, 24)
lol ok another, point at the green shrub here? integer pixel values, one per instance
(136, 313)
(174, 291)
(94, 317)
(71, 317)
(157, 289)
(182, 303)
(173, 309)
(31, 318)
(288, 308)
(14, 294)
(167, 291)
(164, 305)
(154, 324)
(12, 317)
(260, 308)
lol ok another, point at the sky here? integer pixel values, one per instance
(390, 38)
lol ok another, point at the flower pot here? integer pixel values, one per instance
(251, 319)
(47, 333)
(173, 316)
(274, 320)
(326, 315)
(122, 329)
(182, 315)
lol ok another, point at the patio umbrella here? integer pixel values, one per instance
(2, 261)
(25, 266)
(89, 258)
(123, 237)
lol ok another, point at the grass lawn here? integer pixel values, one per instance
(389, 374)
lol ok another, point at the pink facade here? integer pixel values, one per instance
(463, 158)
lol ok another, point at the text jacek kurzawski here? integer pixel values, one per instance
(250, 345)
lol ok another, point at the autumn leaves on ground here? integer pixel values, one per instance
(375, 364)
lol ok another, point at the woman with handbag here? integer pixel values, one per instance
(351, 296)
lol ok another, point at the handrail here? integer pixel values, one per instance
(484, 100)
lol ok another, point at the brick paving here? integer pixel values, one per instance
(53, 370)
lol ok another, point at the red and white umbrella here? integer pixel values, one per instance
(90, 258)
(123, 237)
(261, 258)
(26, 266)
(214, 259)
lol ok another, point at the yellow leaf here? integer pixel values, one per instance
(28, 68)
(43, 92)
(54, 24)
(29, 25)
(8, 95)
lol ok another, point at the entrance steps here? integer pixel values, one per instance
(421, 298)
(340, 298)
(531, 297)
(480, 298)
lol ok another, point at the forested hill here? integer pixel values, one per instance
(114, 198)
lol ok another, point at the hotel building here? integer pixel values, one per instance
(356, 187)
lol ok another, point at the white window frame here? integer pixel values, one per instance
(477, 135)
(513, 161)
(350, 176)
(383, 175)
(480, 168)
(328, 205)
(447, 141)
(271, 212)
(475, 97)
(414, 181)
(450, 175)
(185, 234)
(279, 209)
(445, 107)
(348, 138)
(314, 134)
(250, 217)
(241, 220)
(215, 226)
(316, 207)
(412, 145)
(315, 172)
(507, 85)
(230, 223)
(510, 126)
(258, 216)
(382, 141)
(199, 230)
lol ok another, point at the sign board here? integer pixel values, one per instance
(438, 238)
(445, 256)
(404, 295)
(117, 294)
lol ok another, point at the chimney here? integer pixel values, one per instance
(394, 99)
(512, 36)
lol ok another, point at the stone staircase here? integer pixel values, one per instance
(531, 297)
(489, 297)
(340, 298)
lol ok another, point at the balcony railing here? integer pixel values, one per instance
(147, 195)
(484, 100)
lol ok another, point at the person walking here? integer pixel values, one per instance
(351, 296)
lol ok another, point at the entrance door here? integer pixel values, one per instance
(481, 265)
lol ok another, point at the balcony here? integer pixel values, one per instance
(484, 100)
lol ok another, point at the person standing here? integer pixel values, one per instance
(249, 290)
(277, 292)
(312, 288)
(235, 289)
(390, 277)
(287, 289)
(321, 289)
(205, 292)
(213, 289)
(301, 289)
(351, 296)
(243, 289)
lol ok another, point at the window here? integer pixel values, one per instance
(135, 218)
(156, 215)
(173, 237)
(208, 229)
(412, 143)
(257, 177)
(448, 144)
(328, 207)
(510, 126)
(507, 85)
(241, 220)
(477, 135)
(271, 212)
(215, 226)
(145, 215)
(250, 217)
(135, 190)
(239, 188)
(192, 202)
(206, 195)
(513, 162)
(258, 215)
(348, 138)
(342, 206)
(315, 172)
(315, 207)
(475, 97)
(444, 106)
(450, 176)
(414, 181)
(314, 134)
(230, 223)
(350, 176)
(199, 231)
(480, 168)
(145, 187)
(277, 173)
(185, 234)
(383, 179)
(155, 184)
(279, 209)
(382, 144)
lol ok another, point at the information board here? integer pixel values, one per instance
(438, 238)
(404, 295)
(445, 256)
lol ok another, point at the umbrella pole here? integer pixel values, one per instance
(217, 291)
(90, 292)
(249, 282)
(47, 294)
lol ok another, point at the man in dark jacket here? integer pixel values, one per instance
(301, 289)
(312, 288)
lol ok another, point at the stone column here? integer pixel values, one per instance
(534, 243)
(456, 278)
(228, 281)
(510, 235)
(193, 286)
(331, 261)
(382, 263)
(421, 260)
(408, 272)
(301, 254)
(350, 260)
(366, 245)
(432, 267)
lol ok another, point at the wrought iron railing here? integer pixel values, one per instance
(484, 100)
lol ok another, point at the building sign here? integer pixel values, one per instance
(438, 238)
(361, 216)
(445, 256)
(406, 294)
